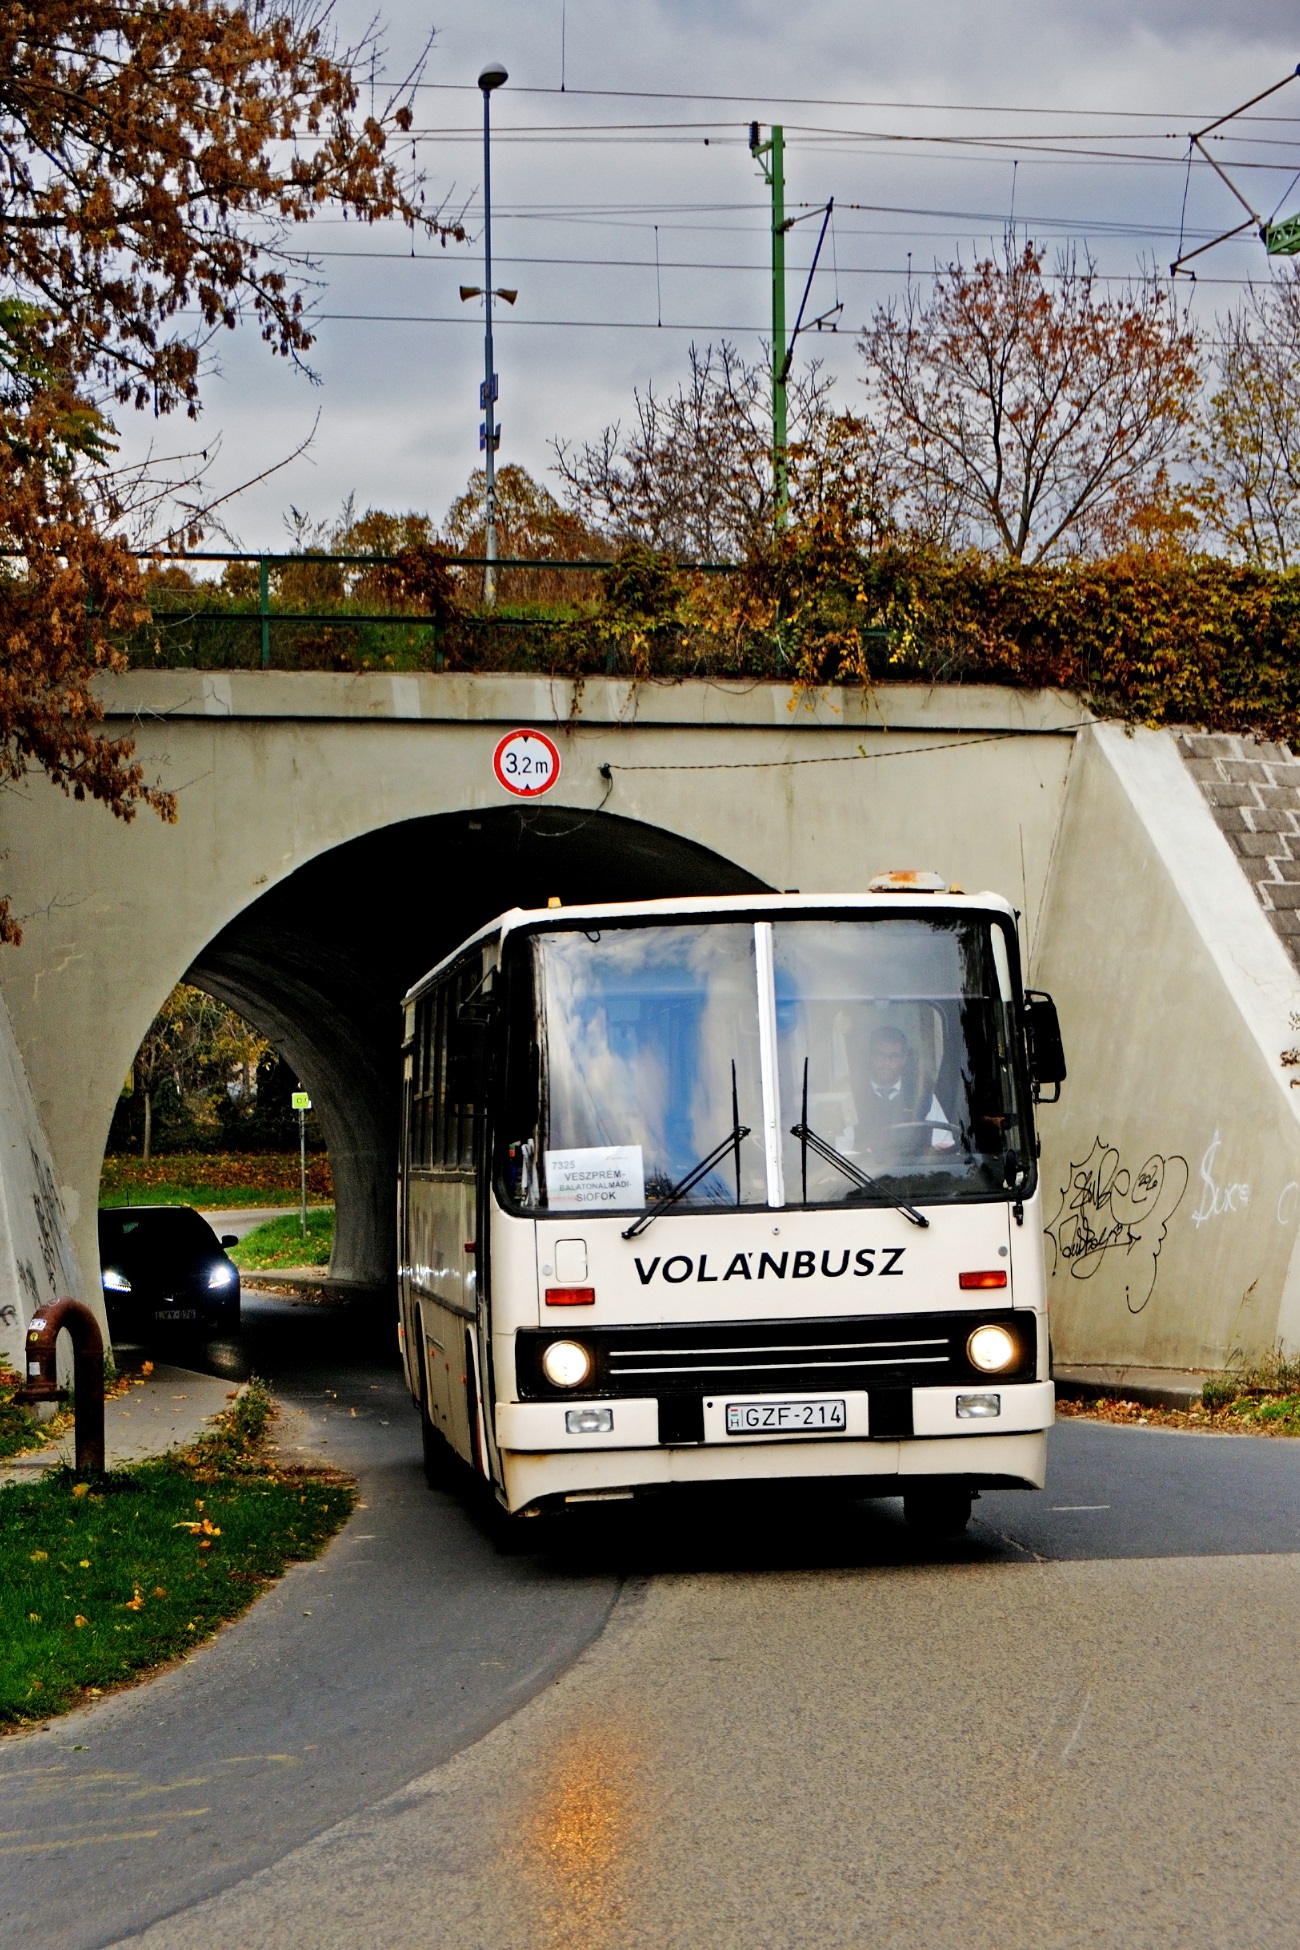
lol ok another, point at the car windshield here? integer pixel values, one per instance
(633, 1052)
(172, 1230)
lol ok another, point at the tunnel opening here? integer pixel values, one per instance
(320, 962)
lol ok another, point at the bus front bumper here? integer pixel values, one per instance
(540, 1459)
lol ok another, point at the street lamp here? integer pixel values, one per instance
(492, 77)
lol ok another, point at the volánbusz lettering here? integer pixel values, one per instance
(806, 1263)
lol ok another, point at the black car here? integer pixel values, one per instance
(165, 1271)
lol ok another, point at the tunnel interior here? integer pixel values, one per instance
(319, 963)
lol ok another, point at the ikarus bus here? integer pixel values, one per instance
(731, 1190)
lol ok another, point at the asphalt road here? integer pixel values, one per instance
(753, 1725)
(411, 1637)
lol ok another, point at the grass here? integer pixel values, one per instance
(19, 1428)
(219, 1178)
(279, 1242)
(102, 1581)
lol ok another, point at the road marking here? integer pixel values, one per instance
(1062, 1508)
(1078, 1729)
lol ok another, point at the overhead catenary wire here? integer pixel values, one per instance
(758, 98)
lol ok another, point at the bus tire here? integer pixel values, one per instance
(942, 1510)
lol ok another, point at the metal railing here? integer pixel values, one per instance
(267, 614)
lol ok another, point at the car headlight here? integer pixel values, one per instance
(221, 1276)
(992, 1350)
(566, 1364)
(116, 1282)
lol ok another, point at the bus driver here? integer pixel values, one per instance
(890, 1108)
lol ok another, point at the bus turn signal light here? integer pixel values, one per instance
(570, 1296)
(977, 1282)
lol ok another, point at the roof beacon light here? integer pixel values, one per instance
(907, 880)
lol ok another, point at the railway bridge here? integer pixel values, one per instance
(339, 833)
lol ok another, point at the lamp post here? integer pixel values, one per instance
(492, 77)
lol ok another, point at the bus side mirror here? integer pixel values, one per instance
(1043, 1045)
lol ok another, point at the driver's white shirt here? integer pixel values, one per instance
(940, 1140)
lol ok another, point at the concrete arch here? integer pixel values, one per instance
(279, 775)
(319, 962)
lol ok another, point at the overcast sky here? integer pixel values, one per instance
(1080, 113)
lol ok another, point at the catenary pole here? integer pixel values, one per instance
(492, 77)
(770, 156)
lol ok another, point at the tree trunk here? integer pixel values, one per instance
(148, 1126)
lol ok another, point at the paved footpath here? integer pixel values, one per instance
(159, 1411)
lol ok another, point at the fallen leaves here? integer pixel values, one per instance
(1243, 1415)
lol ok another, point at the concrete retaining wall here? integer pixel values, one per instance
(1172, 1164)
(37, 1261)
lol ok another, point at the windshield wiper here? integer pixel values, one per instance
(861, 1179)
(810, 1141)
(729, 1143)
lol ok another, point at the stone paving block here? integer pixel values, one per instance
(1278, 797)
(1285, 868)
(1209, 745)
(1247, 771)
(1231, 820)
(1286, 922)
(1288, 775)
(1283, 893)
(1221, 793)
(1258, 846)
(1202, 769)
(1261, 820)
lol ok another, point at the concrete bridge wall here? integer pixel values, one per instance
(339, 833)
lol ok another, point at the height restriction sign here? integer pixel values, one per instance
(526, 763)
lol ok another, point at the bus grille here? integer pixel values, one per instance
(777, 1356)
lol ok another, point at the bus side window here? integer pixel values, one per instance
(453, 1076)
(421, 1111)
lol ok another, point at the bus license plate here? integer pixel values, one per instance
(783, 1418)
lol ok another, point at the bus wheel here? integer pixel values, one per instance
(943, 1511)
(439, 1457)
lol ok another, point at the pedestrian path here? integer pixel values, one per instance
(159, 1411)
(244, 1219)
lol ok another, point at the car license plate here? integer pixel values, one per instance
(177, 1313)
(783, 1418)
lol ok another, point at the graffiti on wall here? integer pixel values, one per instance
(45, 1199)
(1217, 1199)
(1113, 1214)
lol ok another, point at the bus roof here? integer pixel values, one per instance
(717, 907)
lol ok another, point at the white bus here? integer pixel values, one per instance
(711, 1191)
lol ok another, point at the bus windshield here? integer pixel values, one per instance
(881, 1049)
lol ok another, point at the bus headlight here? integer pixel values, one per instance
(566, 1364)
(992, 1350)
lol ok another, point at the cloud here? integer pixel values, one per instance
(582, 214)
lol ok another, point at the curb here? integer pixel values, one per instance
(1151, 1387)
